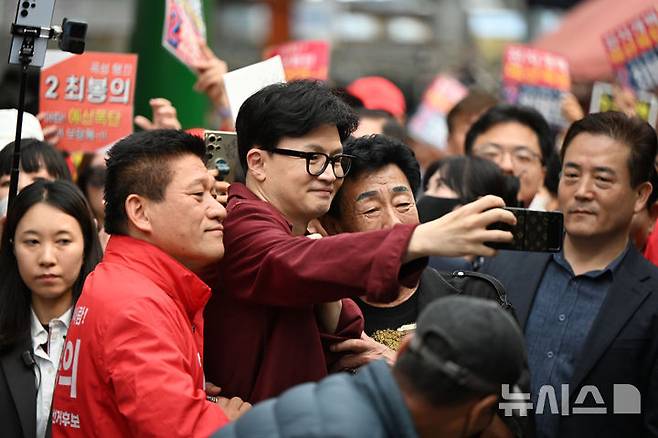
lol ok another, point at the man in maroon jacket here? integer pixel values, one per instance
(278, 295)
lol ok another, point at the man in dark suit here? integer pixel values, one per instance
(590, 312)
(18, 393)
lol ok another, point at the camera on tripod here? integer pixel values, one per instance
(31, 31)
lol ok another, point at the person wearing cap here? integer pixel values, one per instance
(279, 298)
(445, 383)
(379, 94)
(590, 311)
(31, 127)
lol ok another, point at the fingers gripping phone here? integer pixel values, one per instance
(539, 231)
(222, 154)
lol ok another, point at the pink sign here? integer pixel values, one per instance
(303, 59)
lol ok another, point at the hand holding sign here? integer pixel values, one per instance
(164, 116)
(184, 29)
(210, 76)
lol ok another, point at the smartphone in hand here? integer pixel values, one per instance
(222, 154)
(539, 231)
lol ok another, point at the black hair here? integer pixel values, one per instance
(35, 155)
(15, 297)
(351, 100)
(290, 109)
(473, 177)
(373, 152)
(504, 113)
(552, 177)
(139, 164)
(90, 175)
(373, 113)
(429, 171)
(393, 128)
(633, 132)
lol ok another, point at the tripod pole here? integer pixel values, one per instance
(15, 166)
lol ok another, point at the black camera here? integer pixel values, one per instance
(73, 36)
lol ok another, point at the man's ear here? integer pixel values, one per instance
(330, 224)
(642, 191)
(137, 212)
(482, 413)
(256, 163)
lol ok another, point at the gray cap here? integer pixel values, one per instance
(473, 340)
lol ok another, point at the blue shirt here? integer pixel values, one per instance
(561, 317)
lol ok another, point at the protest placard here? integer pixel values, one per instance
(429, 124)
(184, 30)
(89, 97)
(646, 104)
(240, 84)
(536, 78)
(632, 49)
(303, 59)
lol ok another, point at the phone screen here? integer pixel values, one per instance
(538, 231)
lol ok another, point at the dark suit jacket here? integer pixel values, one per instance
(18, 394)
(621, 347)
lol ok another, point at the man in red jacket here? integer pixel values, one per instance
(132, 363)
(278, 294)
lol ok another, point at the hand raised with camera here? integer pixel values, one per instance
(462, 231)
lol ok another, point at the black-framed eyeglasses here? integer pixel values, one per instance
(317, 162)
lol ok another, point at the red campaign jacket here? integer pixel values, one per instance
(651, 250)
(261, 332)
(131, 365)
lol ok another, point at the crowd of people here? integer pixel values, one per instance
(347, 286)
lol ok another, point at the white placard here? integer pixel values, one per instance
(242, 83)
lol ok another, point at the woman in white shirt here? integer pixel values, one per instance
(48, 247)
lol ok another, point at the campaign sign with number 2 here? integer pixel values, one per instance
(89, 97)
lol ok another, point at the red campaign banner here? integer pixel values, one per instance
(533, 67)
(303, 59)
(651, 22)
(614, 50)
(632, 50)
(89, 97)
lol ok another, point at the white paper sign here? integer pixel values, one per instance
(242, 83)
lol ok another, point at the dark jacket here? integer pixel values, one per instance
(621, 347)
(18, 393)
(368, 404)
(261, 332)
